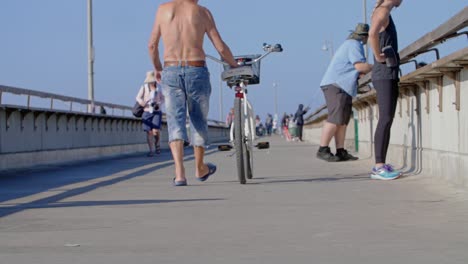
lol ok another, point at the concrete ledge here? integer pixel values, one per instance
(443, 166)
(25, 160)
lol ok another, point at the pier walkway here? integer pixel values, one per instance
(297, 210)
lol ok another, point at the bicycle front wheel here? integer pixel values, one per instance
(248, 160)
(239, 139)
(248, 143)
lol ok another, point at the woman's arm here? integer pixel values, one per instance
(380, 20)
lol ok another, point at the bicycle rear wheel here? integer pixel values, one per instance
(239, 139)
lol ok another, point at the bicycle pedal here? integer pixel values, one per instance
(224, 147)
(263, 145)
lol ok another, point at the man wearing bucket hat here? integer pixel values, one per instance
(185, 80)
(151, 99)
(339, 86)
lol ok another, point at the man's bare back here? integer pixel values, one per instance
(182, 25)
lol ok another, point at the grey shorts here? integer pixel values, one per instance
(339, 104)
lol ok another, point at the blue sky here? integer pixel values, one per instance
(44, 44)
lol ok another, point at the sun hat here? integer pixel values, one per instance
(361, 29)
(150, 77)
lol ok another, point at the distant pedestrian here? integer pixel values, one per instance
(385, 79)
(230, 118)
(292, 128)
(285, 127)
(102, 110)
(269, 124)
(339, 86)
(258, 126)
(299, 120)
(151, 99)
(275, 125)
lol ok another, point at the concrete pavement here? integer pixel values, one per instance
(297, 210)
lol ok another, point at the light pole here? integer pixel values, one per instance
(221, 115)
(328, 46)
(90, 57)
(364, 3)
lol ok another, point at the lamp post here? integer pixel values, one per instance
(90, 58)
(364, 3)
(221, 115)
(328, 46)
(275, 87)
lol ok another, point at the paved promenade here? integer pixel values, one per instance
(297, 210)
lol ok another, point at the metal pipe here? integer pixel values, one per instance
(90, 57)
(366, 49)
(221, 114)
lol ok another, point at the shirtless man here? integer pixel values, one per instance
(184, 77)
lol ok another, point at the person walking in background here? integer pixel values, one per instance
(275, 124)
(151, 99)
(230, 118)
(285, 127)
(269, 124)
(339, 86)
(258, 122)
(292, 128)
(299, 120)
(385, 79)
(185, 80)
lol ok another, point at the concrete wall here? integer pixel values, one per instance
(433, 142)
(33, 138)
(424, 139)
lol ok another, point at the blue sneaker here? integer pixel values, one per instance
(384, 173)
(391, 169)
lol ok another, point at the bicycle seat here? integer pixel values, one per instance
(243, 72)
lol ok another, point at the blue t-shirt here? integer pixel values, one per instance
(341, 70)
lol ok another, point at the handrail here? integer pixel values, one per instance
(435, 37)
(51, 96)
(447, 30)
(316, 112)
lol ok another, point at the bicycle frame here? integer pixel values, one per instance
(242, 133)
(248, 114)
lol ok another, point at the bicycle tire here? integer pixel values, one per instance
(247, 148)
(239, 139)
(248, 164)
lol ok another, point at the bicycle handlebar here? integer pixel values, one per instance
(268, 48)
(245, 71)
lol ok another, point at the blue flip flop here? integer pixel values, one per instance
(211, 171)
(179, 183)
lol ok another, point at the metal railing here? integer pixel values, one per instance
(452, 28)
(53, 98)
(126, 111)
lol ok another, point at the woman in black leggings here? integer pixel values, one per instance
(385, 79)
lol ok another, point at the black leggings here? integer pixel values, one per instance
(299, 131)
(387, 97)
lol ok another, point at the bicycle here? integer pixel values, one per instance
(242, 132)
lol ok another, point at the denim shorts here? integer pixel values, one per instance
(151, 120)
(187, 89)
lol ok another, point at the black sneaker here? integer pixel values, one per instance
(326, 155)
(345, 156)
